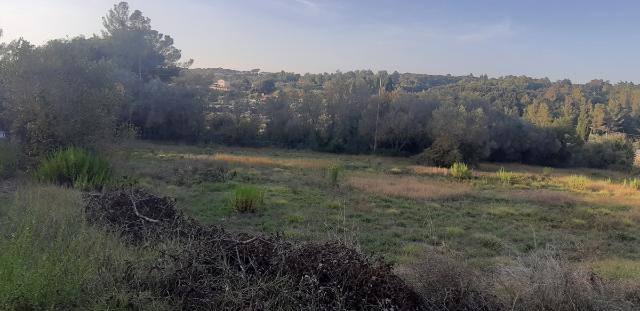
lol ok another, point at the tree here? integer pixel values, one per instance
(56, 96)
(130, 41)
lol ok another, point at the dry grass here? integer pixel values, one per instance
(582, 183)
(430, 170)
(542, 196)
(408, 186)
(262, 160)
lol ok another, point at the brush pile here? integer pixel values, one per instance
(203, 268)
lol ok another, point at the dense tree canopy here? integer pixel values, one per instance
(79, 91)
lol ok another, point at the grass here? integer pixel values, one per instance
(247, 198)
(386, 204)
(460, 171)
(408, 187)
(385, 207)
(334, 174)
(75, 167)
(266, 161)
(505, 176)
(50, 258)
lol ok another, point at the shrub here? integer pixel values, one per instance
(607, 151)
(505, 176)
(76, 168)
(247, 198)
(460, 171)
(8, 159)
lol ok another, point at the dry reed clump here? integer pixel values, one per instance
(446, 283)
(204, 268)
(544, 281)
(430, 170)
(409, 187)
(538, 281)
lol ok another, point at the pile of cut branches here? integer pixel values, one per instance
(204, 267)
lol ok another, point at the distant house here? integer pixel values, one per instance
(3, 134)
(221, 85)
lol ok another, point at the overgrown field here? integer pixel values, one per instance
(274, 229)
(393, 208)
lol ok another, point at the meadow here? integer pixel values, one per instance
(392, 208)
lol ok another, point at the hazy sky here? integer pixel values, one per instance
(579, 40)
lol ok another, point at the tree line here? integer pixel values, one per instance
(82, 91)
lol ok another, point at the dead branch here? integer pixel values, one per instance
(135, 210)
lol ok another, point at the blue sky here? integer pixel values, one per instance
(579, 40)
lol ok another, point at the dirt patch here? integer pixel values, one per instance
(200, 268)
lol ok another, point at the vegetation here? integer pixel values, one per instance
(77, 168)
(334, 174)
(247, 198)
(460, 171)
(505, 176)
(8, 159)
(266, 221)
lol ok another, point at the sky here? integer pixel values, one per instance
(558, 39)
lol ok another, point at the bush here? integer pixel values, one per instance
(8, 159)
(247, 198)
(505, 176)
(607, 151)
(76, 168)
(460, 171)
(547, 171)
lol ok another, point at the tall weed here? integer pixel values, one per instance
(460, 171)
(76, 168)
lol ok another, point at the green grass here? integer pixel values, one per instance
(76, 167)
(51, 259)
(483, 227)
(460, 171)
(505, 176)
(247, 198)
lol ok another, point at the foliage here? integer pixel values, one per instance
(247, 198)
(77, 168)
(460, 171)
(9, 156)
(607, 151)
(505, 176)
